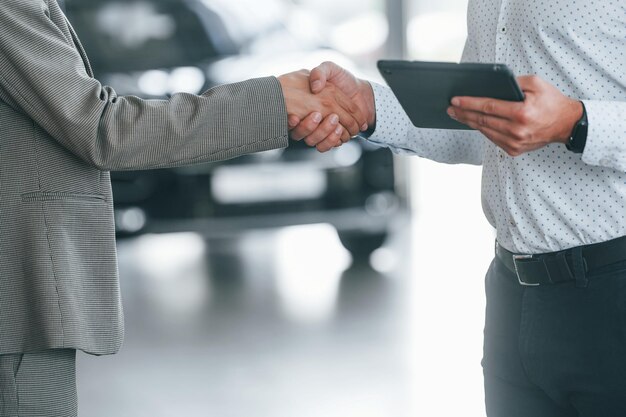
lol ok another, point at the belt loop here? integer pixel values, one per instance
(579, 270)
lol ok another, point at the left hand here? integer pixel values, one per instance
(545, 116)
(331, 133)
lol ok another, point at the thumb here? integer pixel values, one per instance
(321, 74)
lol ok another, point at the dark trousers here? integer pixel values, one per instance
(556, 350)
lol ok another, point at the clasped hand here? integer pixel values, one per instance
(326, 114)
(342, 117)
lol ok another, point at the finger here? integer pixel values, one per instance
(348, 122)
(322, 73)
(306, 126)
(329, 126)
(505, 142)
(502, 142)
(355, 111)
(497, 138)
(331, 141)
(293, 121)
(345, 135)
(350, 116)
(501, 125)
(499, 108)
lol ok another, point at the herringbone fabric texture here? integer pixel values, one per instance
(61, 131)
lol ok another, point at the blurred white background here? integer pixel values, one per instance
(452, 241)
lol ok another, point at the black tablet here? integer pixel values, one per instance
(424, 89)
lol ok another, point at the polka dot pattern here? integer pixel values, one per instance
(550, 199)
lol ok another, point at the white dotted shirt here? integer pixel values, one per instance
(550, 199)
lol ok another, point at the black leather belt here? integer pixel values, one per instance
(556, 267)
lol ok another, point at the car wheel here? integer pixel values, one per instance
(362, 244)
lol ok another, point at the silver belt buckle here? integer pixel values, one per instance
(519, 258)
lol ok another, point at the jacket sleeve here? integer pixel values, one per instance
(43, 75)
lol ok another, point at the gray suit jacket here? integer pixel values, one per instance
(61, 131)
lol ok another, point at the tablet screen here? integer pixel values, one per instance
(424, 89)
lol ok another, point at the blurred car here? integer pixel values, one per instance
(155, 48)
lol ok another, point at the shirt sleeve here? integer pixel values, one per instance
(395, 131)
(43, 75)
(606, 138)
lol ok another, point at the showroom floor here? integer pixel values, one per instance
(269, 324)
(284, 324)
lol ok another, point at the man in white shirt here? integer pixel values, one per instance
(554, 187)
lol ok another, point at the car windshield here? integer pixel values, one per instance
(140, 35)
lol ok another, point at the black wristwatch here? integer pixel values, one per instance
(578, 138)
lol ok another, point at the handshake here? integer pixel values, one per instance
(327, 106)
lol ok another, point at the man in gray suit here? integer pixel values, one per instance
(61, 132)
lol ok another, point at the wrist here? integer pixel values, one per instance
(367, 92)
(574, 112)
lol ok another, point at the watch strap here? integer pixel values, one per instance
(578, 138)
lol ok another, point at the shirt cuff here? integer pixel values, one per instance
(392, 123)
(606, 137)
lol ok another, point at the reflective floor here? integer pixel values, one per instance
(285, 324)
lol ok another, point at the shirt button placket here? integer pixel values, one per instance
(502, 29)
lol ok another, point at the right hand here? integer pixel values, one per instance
(315, 131)
(331, 103)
